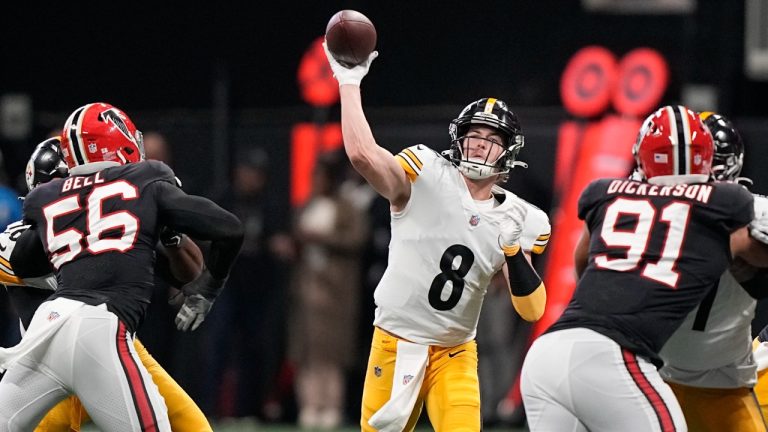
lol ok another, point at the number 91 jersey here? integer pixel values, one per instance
(444, 251)
(654, 252)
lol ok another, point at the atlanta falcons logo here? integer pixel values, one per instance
(114, 116)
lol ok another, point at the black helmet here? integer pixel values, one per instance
(493, 113)
(46, 163)
(729, 148)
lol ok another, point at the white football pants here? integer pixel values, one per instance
(579, 380)
(91, 355)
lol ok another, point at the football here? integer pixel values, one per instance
(351, 37)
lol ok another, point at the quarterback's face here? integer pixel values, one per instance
(483, 143)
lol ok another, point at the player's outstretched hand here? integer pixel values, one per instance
(353, 75)
(193, 312)
(512, 227)
(758, 229)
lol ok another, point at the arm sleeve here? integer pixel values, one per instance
(202, 219)
(29, 259)
(529, 296)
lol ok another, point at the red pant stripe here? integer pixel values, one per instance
(650, 393)
(141, 401)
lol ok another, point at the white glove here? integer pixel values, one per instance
(345, 75)
(758, 229)
(512, 227)
(193, 312)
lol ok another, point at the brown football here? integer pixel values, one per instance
(351, 37)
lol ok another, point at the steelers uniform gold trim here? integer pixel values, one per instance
(6, 274)
(450, 390)
(540, 244)
(411, 164)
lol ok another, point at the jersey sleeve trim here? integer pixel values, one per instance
(6, 266)
(6, 273)
(410, 163)
(409, 171)
(540, 243)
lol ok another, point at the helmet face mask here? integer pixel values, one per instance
(674, 146)
(494, 114)
(100, 132)
(729, 147)
(45, 164)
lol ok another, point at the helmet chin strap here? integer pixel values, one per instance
(476, 171)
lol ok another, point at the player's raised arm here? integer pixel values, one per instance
(374, 163)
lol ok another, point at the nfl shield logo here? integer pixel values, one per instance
(92, 147)
(377, 371)
(407, 379)
(474, 220)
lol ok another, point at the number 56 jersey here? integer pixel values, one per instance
(99, 231)
(444, 251)
(654, 252)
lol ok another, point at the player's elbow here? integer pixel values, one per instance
(236, 229)
(531, 307)
(228, 227)
(360, 159)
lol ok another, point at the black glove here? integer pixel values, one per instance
(170, 238)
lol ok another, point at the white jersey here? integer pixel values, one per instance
(7, 245)
(712, 348)
(444, 252)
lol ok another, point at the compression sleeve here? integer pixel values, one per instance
(529, 296)
(29, 259)
(202, 219)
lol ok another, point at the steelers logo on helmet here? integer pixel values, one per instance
(729, 147)
(493, 113)
(45, 164)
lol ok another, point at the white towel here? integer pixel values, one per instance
(410, 367)
(761, 356)
(49, 317)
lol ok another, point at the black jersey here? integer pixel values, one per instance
(655, 251)
(100, 231)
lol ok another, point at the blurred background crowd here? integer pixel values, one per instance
(237, 98)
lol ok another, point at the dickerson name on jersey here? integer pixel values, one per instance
(698, 192)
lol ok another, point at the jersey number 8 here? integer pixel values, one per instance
(455, 276)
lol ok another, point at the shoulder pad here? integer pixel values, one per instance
(414, 158)
(162, 171)
(536, 229)
(591, 194)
